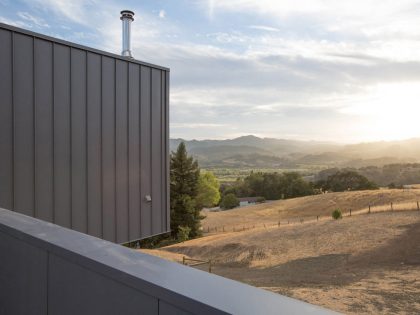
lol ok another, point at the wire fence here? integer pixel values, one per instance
(197, 262)
(391, 207)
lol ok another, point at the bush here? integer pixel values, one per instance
(229, 202)
(183, 233)
(260, 200)
(337, 214)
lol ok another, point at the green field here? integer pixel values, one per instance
(227, 175)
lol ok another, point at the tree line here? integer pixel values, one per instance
(397, 174)
(192, 189)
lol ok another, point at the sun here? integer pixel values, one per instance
(388, 111)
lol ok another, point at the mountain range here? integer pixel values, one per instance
(254, 152)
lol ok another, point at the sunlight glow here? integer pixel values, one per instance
(388, 111)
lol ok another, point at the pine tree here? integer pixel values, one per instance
(184, 189)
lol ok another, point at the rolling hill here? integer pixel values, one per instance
(294, 153)
(363, 264)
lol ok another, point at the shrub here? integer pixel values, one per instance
(260, 200)
(337, 214)
(183, 233)
(229, 202)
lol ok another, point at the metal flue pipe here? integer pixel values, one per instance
(126, 18)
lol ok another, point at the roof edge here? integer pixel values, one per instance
(79, 46)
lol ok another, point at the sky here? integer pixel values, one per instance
(330, 70)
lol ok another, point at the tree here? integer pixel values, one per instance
(208, 190)
(184, 175)
(346, 180)
(229, 201)
(271, 186)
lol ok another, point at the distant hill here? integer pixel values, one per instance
(251, 151)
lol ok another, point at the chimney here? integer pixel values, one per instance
(126, 18)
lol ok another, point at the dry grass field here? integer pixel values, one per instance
(364, 264)
(309, 207)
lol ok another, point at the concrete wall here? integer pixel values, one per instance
(47, 269)
(84, 137)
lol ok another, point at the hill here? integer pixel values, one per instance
(363, 264)
(308, 207)
(366, 264)
(296, 154)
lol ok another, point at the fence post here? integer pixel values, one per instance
(210, 266)
(418, 207)
(392, 208)
(279, 224)
(317, 217)
(183, 260)
(369, 208)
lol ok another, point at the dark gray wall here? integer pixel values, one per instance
(83, 137)
(46, 269)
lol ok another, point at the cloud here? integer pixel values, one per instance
(275, 67)
(39, 22)
(79, 11)
(16, 23)
(264, 28)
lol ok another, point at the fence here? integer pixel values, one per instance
(196, 262)
(403, 206)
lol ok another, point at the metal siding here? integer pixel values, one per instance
(167, 183)
(23, 99)
(6, 120)
(78, 141)
(145, 152)
(84, 136)
(121, 143)
(23, 277)
(164, 149)
(168, 309)
(62, 136)
(156, 151)
(94, 144)
(134, 151)
(74, 289)
(108, 148)
(44, 190)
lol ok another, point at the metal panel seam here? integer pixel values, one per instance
(35, 129)
(13, 120)
(115, 151)
(128, 150)
(150, 152)
(101, 150)
(71, 140)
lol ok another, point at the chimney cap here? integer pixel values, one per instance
(127, 14)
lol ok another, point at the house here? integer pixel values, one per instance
(248, 201)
